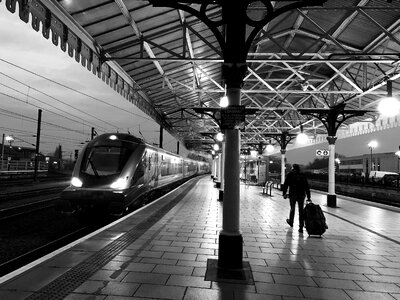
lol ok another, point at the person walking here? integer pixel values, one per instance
(298, 187)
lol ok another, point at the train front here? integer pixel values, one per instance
(103, 175)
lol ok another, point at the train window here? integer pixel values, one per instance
(105, 161)
(139, 173)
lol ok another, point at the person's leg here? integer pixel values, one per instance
(300, 202)
(292, 201)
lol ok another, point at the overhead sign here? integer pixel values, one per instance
(322, 152)
(233, 117)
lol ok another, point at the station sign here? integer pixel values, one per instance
(322, 152)
(233, 117)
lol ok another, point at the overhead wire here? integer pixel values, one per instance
(44, 122)
(31, 97)
(72, 89)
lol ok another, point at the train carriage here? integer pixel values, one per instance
(114, 170)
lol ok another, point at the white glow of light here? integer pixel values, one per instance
(373, 144)
(213, 152)
(9, 138)
(389, 106)
(302, 138)
(270, 148)
(253, 153)
(113, 137)
(224, 102)
(216, 147)
(220, 137)
(76, 182)
(119, 184)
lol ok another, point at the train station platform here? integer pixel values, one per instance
(161, 252)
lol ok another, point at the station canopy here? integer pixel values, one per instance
(168, 62)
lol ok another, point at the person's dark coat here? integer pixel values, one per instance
(297, 184)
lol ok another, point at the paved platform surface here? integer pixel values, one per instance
(161, 252)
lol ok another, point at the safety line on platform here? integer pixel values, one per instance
(365, 228)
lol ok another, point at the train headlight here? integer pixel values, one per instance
(76, 182)
(120, 183)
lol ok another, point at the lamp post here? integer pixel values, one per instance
(10, 139)
(372, 145)
(337, 160)
(398, 160)
(2, 151)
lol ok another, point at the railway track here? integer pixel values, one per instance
(27, 208)
(40, 251)
(34, 229)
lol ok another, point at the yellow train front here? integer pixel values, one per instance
(114, 170)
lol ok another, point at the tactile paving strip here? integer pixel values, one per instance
(72, 279)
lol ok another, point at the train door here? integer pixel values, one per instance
(156, 167)
(151, 167)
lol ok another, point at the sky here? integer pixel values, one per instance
(35, 74)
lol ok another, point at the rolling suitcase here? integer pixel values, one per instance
(314, 219)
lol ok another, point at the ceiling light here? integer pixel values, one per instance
(302, 138)
(224, 102)
(219, 137)
(389, 106)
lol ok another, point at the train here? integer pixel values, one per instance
(114, 171)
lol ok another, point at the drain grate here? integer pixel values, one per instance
(72, 279)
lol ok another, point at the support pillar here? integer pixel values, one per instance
(283, 166)
(331, 198)
(230, 253)
(221, 190)
(161, 137)
(219, 176)
(2, 151)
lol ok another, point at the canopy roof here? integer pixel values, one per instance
(168, 62)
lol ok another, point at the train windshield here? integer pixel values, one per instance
(105, 160)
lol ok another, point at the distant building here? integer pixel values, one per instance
(17, 153)
(362, 164)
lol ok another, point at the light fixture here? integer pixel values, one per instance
(389, 106)
(120, 184)
(373, 144)
(9, 138)
(216, 147)
(224, 102)
(269, 148)
(76, 182)
(302, 138)
(219, 137)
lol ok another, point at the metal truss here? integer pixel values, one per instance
(167, 62)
